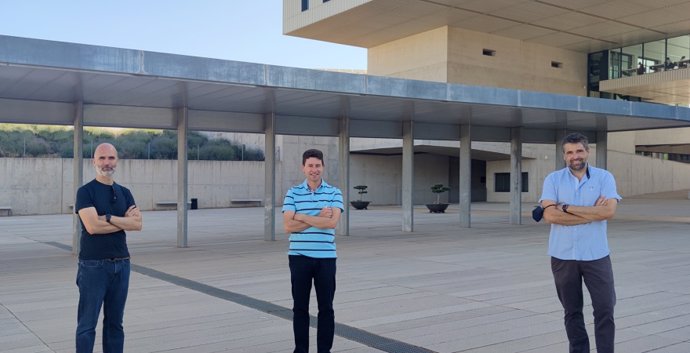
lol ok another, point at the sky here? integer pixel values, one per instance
(242, 30)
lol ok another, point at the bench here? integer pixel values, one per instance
(171, 205)
(6, 209)
(246, 202)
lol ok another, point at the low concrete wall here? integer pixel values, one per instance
(636, 175)
(44, 185)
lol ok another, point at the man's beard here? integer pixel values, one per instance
(578, 165)
(105, 173)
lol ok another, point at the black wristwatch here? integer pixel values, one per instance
(565, 207)
(107, 217)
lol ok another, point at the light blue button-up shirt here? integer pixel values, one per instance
(313, 242)
(583, 242)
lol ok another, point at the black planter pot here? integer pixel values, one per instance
(437, 207)
(360, 205)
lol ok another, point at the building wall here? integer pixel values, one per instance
(422, 56)
(622, 141)
(383, 176)
(635, 175)
(674, 136)
(516, 64)
(449, 54)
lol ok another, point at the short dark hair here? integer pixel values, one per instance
(576, 137)
(312, 153)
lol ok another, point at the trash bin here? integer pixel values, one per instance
(195, 204)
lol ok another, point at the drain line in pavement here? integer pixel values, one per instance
(348, 332)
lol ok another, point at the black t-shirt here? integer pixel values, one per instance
(115, 200)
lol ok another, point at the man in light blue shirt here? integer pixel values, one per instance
(577, 201)
(311, 212)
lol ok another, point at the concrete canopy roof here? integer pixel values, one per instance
(584, 26)
(42, 81)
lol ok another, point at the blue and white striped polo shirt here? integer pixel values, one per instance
(313, 242)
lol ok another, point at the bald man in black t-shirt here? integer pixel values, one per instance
(106, 210)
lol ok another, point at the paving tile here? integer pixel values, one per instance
(487, 289)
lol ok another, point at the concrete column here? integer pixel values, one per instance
(559, 163)
(77, 171)
(602, 149)
(465, 173)
(516, 176)
(408, 177)
(344, 174)
(182, 177)
(270, 178)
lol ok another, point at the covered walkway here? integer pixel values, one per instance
(45, 82)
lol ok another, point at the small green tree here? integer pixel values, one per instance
(438, 189)
(361, 190)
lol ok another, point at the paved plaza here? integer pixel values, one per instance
(442, 288)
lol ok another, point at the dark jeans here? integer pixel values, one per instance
(102, 282)
(598, 277)
(303, 270)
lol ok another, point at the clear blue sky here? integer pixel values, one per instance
(243, 30)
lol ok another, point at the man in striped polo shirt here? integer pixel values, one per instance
(311, 211)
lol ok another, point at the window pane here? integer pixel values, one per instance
(525, 182)
(502, 182)
(631, 57)
(654, 55)
(679, 50)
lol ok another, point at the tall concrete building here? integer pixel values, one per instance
(627, 50)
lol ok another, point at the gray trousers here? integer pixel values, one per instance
(598, 277)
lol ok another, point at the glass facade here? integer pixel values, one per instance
(639, 59)
(647, 58)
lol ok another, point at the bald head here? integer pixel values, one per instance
(104, 148)
(105, 161)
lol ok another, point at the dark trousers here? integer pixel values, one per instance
(303, 270)
(598, 277)
(102, 283)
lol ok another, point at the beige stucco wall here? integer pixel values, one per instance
(422, 56)
(449, 54)
(516, 64)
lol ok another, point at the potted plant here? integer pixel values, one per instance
(359, 204)
(438, 207)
